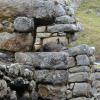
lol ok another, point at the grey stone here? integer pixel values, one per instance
(71, 62)
(77, 69)
(82, 89)
(23, 24)
(3, 88)
(53, 77)
(52, 92)
(62, 28)
(81, 49)
(43, 60)
(65, 20)
(78, 77)
(83, 60)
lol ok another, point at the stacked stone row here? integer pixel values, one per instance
(81, 73)
(62, 31)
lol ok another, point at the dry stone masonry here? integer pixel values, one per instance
(54, 71)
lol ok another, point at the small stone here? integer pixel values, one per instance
(65, 20)
(83, 60)
(23, 24)
(81, 49)
(43, 35)
(41, 29)
(71, 62)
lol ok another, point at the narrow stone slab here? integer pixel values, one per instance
(62, 28)
(43, 60)
(51, 76)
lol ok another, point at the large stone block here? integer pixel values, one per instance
(83, 60)
(15, 42)
(52, 92)
(43, 60)
(81, 49)
(82, 89)
(23, 24)
(51, 76)
(54, 44)
(78, 77)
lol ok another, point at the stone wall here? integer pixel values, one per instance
(58, 73)
(32, 24)
(65, 75)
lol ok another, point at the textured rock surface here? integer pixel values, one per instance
(23, 24)
(48, 60)
(15, 42)
(52, 93)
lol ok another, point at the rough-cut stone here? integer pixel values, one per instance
(48, 60)
(77, 69)
(65, 20)
(3, 88)
(15, 42)
(41, 29)
(50, 76)
(43, 35)
(23, 24)
(83, 60)
(78, 77)
(55, 44)
(71, 62)
(62, 28)
(82, 89)
(6, 57)
(52, 92)
(81, 49)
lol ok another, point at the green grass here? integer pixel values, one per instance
(87, 15)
